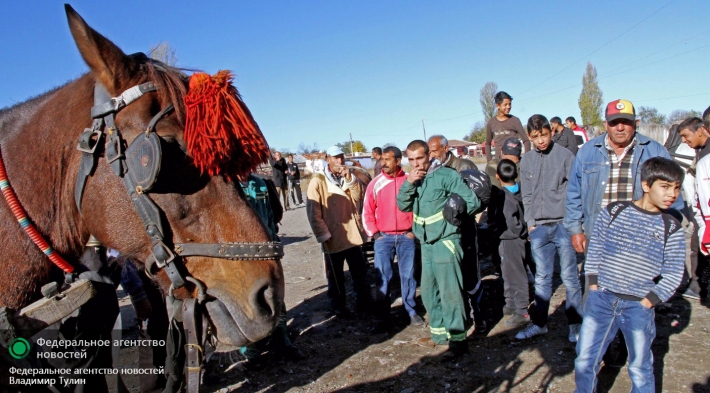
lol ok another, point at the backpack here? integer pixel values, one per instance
(480, 183)
(672, 225)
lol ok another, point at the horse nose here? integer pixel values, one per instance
(263, 299)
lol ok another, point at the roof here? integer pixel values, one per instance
(457, 143)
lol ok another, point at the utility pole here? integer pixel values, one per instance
(351, 145)
(423, 128)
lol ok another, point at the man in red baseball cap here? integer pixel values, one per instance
(606, 169)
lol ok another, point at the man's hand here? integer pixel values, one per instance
(594, 287)
(415, 175)
(646, 303)
(410, 235)
(579, 242)
(345, 172)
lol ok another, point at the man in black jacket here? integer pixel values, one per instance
(279, 175)
(562, 135)
(294, 181)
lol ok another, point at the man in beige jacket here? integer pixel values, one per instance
(334, 204)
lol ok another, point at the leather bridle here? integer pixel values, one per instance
(138, 167)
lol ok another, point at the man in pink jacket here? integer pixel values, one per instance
(391, 229)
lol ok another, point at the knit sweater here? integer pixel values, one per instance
(635, 253)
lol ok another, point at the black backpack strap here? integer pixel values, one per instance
(615, 208)
(672, 226)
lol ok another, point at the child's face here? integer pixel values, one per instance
(662, 193)
(540, 138)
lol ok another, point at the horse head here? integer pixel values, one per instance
(196, 205)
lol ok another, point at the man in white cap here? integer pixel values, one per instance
(335, 198)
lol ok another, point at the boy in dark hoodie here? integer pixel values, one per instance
(511, 230)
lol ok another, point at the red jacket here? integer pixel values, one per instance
(380, 211)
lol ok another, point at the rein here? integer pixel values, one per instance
(21, 215)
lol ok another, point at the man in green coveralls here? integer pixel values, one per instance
(426, 191)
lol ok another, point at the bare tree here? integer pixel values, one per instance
(165, 53)
(487, 100)
(681, 114)
(304, 148)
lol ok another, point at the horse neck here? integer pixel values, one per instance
(38, 143)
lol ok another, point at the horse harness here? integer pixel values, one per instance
(138, 166)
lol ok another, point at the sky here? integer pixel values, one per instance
(315, 72)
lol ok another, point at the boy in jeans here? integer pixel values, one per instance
(510, 228)
(543, 184)
(632, 245)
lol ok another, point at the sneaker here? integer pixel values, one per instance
(517, 320)
(531, 331)
(343, 313)
(691, 294)
(292, 353)
(416, 320)
(508, 310)
(574, 332)
(454, 352)
(480, 326)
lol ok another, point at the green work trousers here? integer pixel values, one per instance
(442, 291)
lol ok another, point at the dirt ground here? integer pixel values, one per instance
(342, 356)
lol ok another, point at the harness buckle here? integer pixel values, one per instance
(86, 138)
(164, 254)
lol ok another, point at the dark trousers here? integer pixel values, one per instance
(334, 263)
(515, 276)
(294, 186)
(283, 194)
(693, 255)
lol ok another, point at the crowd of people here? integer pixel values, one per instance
(624, 221)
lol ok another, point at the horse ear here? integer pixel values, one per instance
(106, 61)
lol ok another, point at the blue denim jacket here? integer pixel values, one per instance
(585, 190)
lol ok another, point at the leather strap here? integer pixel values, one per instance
(194, 353)
(109, 105)
(242, 251)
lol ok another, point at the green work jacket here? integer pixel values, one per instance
(427, 197)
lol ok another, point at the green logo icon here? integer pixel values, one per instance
(19, 348)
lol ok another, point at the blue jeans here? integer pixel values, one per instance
(545, 241)
(604, 315)
(385, 249)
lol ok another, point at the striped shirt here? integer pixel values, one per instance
(631, 247)
(620, 186)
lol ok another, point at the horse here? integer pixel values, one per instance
(193, 206)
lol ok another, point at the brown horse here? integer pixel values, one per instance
(38, 140)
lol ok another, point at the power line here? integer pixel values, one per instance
(668, 98)
(607, 75)
(662, 50)
(597, 50)
(657, 61)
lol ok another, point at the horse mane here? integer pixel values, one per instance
(221, 134)
(171, 83)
